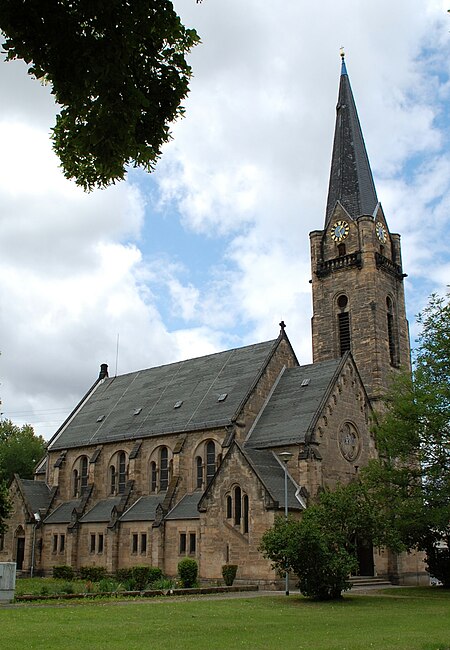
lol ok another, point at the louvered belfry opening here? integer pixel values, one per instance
(343, 324)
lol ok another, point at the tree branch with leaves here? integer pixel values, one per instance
(117, 69)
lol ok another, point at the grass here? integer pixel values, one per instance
(40, 586)
(404, 619)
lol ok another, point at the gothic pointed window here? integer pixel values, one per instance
(210, 461)
(122, 474)
(237, 506)
(76, 482)
(343, 324)
(163, 468)
(206, 461)
(392, 338)
(83, 473)
(153, 477)
(112, 479)
(245, 513)
(229, 507)
(199, 471)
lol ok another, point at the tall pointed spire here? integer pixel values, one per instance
(351, 180)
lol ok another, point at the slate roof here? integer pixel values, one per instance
(37, 494)
(101, 511)
(141, 404)
(186, 508)
(291, 409)
(144, 509)
(271, 473)
(63, 513)
(351, 181)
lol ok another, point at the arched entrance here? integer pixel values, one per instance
(364, 553)
(19, 544)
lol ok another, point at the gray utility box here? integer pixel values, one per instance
(7, 582)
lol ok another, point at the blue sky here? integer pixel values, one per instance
(212, 250)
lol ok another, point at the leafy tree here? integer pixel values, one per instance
(117, 69)
(411, 479)
(20, 450)
(321, 547)
(5, 506)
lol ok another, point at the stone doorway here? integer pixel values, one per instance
(20, 548)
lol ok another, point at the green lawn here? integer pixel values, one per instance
(404, 619)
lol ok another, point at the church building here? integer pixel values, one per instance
(189, 459)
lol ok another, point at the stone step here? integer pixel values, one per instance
(369, 581)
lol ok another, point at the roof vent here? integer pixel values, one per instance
(305, 382)
(222, 397)
(100, 418)
(137, 411)
(178, 404)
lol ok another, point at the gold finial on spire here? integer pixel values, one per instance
(342, 52)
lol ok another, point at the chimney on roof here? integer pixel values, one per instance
(103, 371)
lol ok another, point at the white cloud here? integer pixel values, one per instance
(247, 171)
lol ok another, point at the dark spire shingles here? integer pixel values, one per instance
(351, 181)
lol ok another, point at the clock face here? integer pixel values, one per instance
(340, 230)
(381, 232)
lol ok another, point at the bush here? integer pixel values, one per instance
(229, 573)
(188, 570)
(92, 573)
(438, 565)
(144, 575)
(63, 572)
(163, 583)
(123, 575)
(108, 585)
(317, 556)
(67, 588)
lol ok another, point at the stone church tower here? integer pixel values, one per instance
(357, 277)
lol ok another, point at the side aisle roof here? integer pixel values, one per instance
(293, 405)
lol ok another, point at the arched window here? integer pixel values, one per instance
(210, 461)
(163, 468)
(83, 473)
(199, 471)
(229, 507)
(392, 339)
(343, 323)
(237, 505)
(341, 250)
(122, 474)
(80, 474)
(112, 479)
(153, 477)
(245, 508)
(205, 464)
(76, 482)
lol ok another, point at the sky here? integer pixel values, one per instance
(211, 251)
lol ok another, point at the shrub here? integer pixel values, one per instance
(63, 572)
(123, 575)
(229, 573)
(438, 565)
(144, 575)
(67, 588)
(317, 556)
(108, 585)
(93, 573)
(188, 570)
(163, 583)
